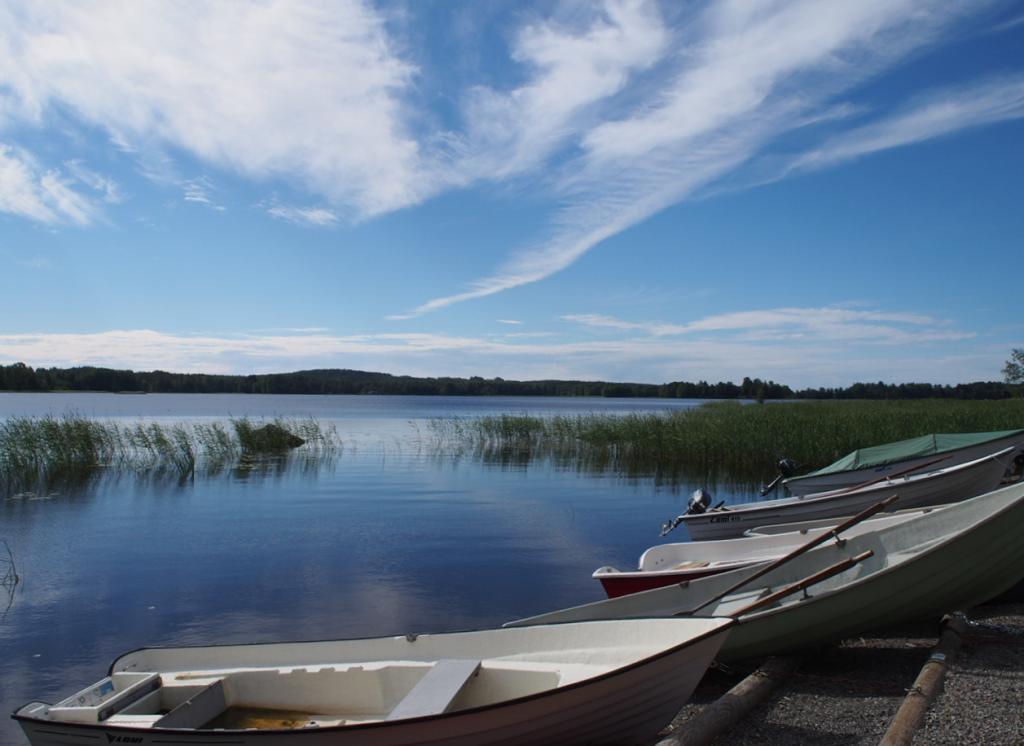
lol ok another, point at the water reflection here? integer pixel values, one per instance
(672, 474)
(384, 538)
(9, 578)
(81, 481)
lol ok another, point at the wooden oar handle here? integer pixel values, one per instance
(820, 539)
(869, 511)
(810, 580)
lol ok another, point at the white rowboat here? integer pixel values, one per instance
(940, 562)
(596, 682)
(936, 487)
(809, 527)
(667, 564)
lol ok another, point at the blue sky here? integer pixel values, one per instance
(814, 192)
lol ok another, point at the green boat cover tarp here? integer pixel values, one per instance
(925, 445)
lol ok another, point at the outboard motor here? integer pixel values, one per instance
(700, 500)
(787, 468)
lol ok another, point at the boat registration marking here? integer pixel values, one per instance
(726, 518)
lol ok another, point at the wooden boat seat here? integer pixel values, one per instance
(197, 710)
(128, 696)
(435, 692)
(692, 564)
(136, 721)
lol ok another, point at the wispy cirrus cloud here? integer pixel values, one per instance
(45, 195)
(199, 191)
(529, 335)
(612, 112)
(301, 90)
(108, 189)
(746, 75)
(572, 69)
(307, 217)
(795, 324)
(601, 321)
(296, 330)
(313, 92)
(936, 114)
(1011, 23)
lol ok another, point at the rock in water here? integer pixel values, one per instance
(275, 437)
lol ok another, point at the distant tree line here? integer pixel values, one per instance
(975, 390)
(20, 377)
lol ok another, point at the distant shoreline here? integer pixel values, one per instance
(340, 381)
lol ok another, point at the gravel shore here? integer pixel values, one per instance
(847, 693)
(984, 697)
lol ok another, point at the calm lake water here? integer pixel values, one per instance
(389, 536)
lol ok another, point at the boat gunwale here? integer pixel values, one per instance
(728, 566)
(935, 546)
(727, 623)
(816, 497)
(949, 538)
(771, 546)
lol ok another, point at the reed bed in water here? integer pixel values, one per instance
(39, 446)
(740, 441)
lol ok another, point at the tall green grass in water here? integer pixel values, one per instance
(37, 448)
(737, 442)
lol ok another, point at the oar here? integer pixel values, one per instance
(895, 474)
(848, 523)
(810, 580)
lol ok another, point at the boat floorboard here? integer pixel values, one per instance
(240, 718)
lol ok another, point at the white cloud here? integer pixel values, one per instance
(612, 114)
(200, 191)
(746, 73)
(832, 323)
(312, 92)
(601, 321)
(298, 329)
(509, 321)
(302, 90)
(820, 357)
(46, 196)
(937, 114)
(573, 67)
(566, 245)
(104, 185)
(1009, 24)
(318, 217)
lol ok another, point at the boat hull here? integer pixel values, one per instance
(665, 564)
(930, 587)
(942, 562)
(959, 483)
(628, 705)
(626, 583)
